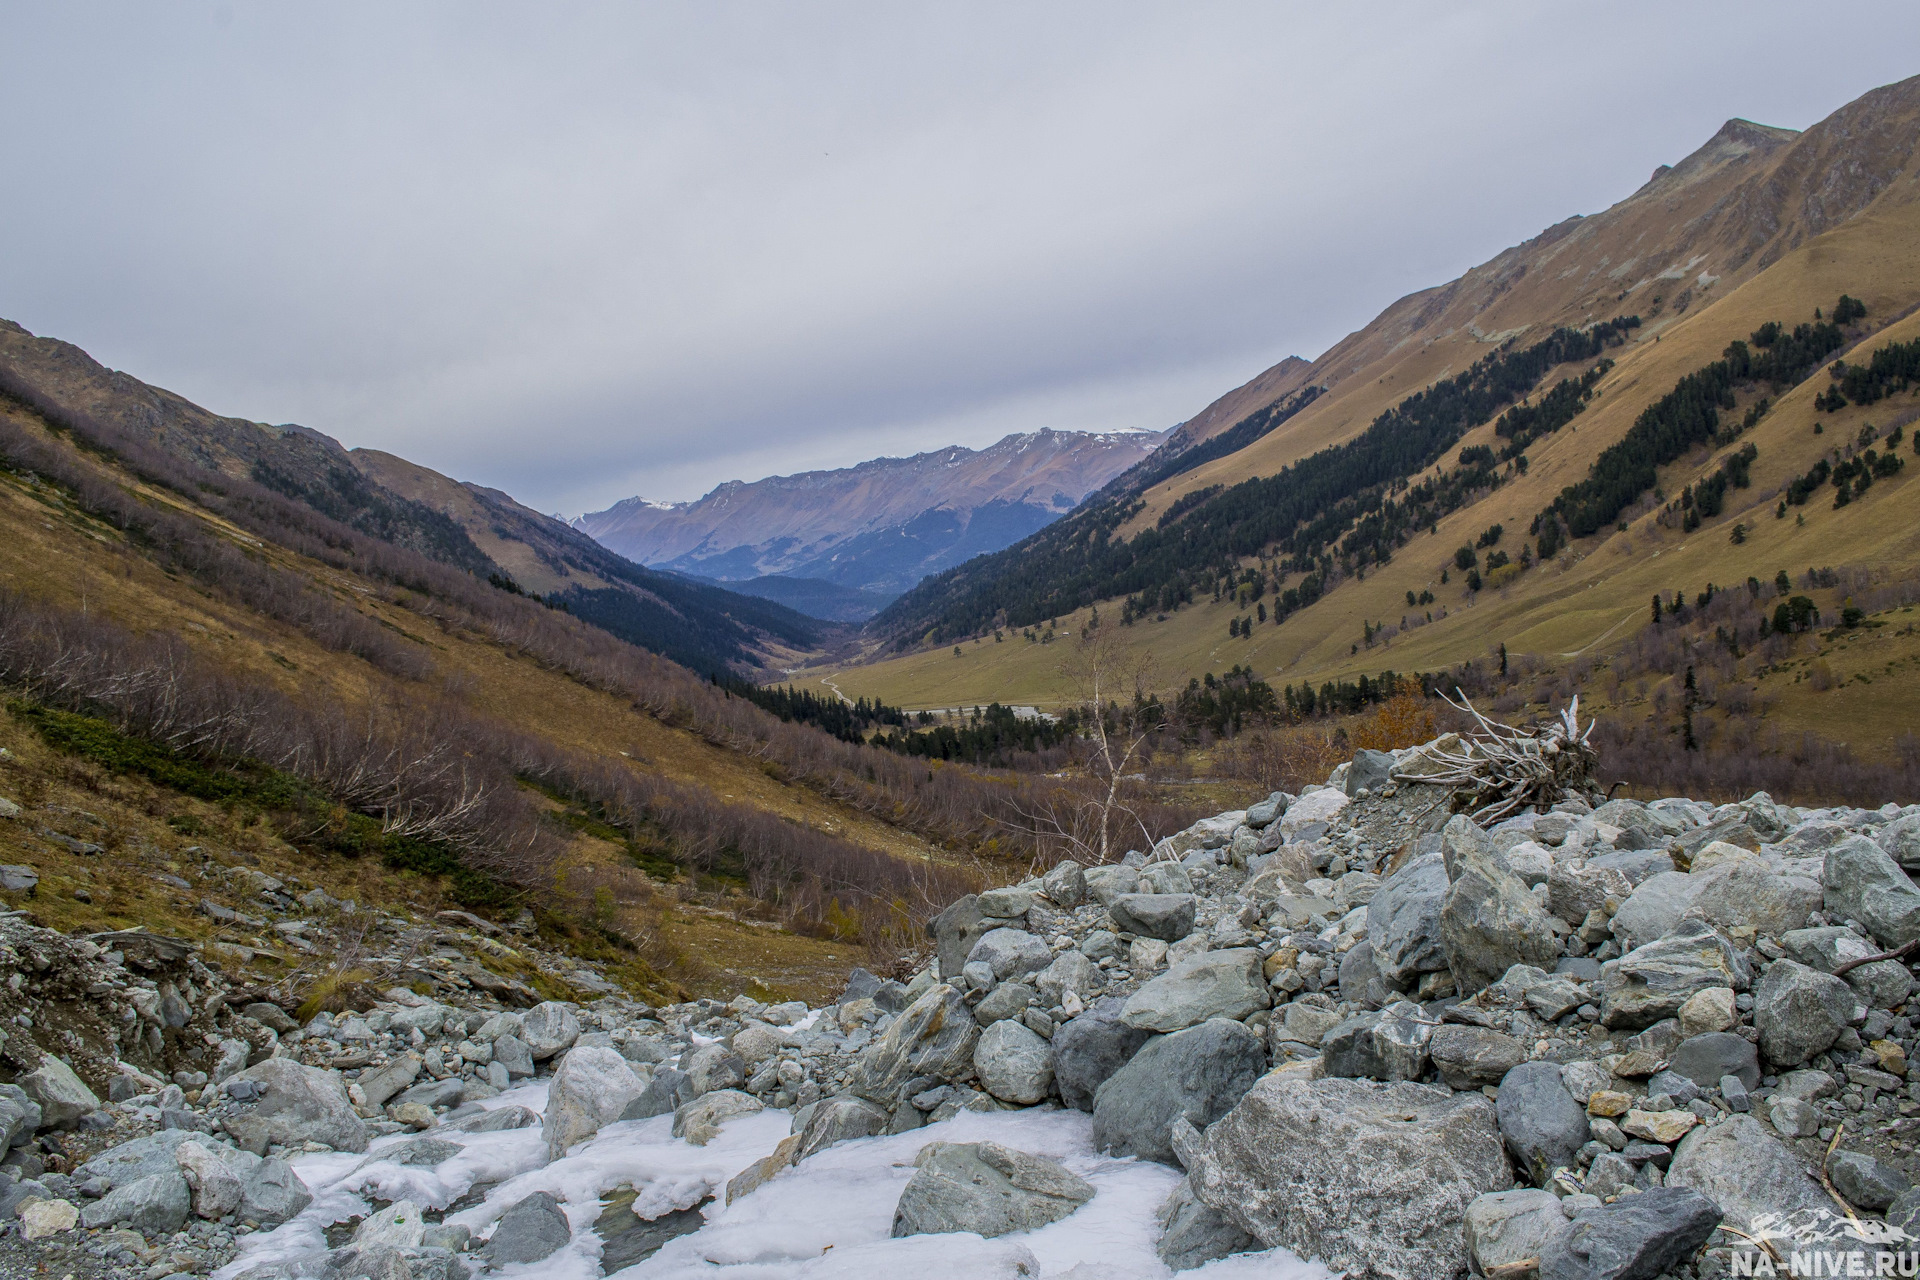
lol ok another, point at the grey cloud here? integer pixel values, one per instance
(588, 251)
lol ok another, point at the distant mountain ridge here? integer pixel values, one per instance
(877, 527)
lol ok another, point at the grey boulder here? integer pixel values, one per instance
(1371, 1178)
(1651, 982)
(1744, 1170)
(1214, 984)
(1470, 1057)
(296, 1104)
(272, 1193)
(1884, 983)
(1540, 1122)
(1635, 1238)
(1166, 916)
(590, 1089)
(1391, 1044)
(985, 1188)
(532, 1229)
(1507, 1227)
(1090, 1048)
(838, 1119)
(1014, 1064)
(1490, 921)
(933, 1036)
(548, 1029)
(1403, 921)
(1196, 1075)
(955, 930)
(1066, 884)
(1704, 1059)
(157, 1203)
(1800, 1011)
(62, 1095)
(1862, 883)
(1193, 1234)
(1865, 1182)
(1011, 953)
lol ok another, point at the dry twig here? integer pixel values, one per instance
(1502, 770)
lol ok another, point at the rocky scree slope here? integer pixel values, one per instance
(1610, 1039)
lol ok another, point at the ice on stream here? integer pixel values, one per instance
(828, 1218)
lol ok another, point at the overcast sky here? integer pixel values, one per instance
(583, 252)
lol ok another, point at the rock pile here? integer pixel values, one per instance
(1359, 1026)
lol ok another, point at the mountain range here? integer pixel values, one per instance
(846, 541)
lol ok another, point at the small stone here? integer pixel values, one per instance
(1864, 1182)
(1666, 1127)
(1608, 1102)
(42, 1218)
(1706, 1011)
(534, 1228)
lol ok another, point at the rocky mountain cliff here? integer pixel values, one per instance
(880, 526)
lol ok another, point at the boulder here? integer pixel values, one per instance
(1745, 893)
(42, 1218)
(1305, 1024)
(62, 1095)
(713, 1066)
(1655, 908)
(548, 1029)
(1166, 916)
(1471, 1057)
(838, 1119)
(933, 1036)
(1090, 1048)
(1011, 953)
(1884, 983)
(1371, 1178)
(139, 1158)
(591, 1089)
(156, 1204)
(669, 1090)
(1214, 984)
(1403, 921)
(1391, 1044)
(1310, 809)
(699, 1121)
(533, 1228)
(1744, 1170)
(1862, 883)
(1360, 981)
(272, 1193)
(295, 1104)
(1066, 884)
(1008, 1000)
(1542, 1125)
(1369, 771)
(1507, 1227)
(1193, 1234)
(954, 932)
(1651, 982)
(379, 1084)
(1013, 1063)
(1704, 1059)
(1489, 921)
(397, 1226)
(1866, 1183)
(1197, 1075)
(1800, 1011)
(1108, 883)
(985, 1188)
(511, 1052)
(1643, 1235)
(214, 1183)
(1708, 1011)
(1574, 889)
(1070, 971)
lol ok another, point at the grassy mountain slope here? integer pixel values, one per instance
(468, 528)
(1786, 222)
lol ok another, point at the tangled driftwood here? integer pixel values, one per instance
(1500, 770)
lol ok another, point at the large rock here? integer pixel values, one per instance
(1800, 1011)
(933, 1036)
(1166, 916)
(1865, 1182)
(1507, 1227)
(1403, 921)
(1310, 809)
(1391, 1044)
(699, 1121)
(272, 1193)
(1704, 1059)
(1655, 907)
(1368, 772)
(714, 1066)
(156, 1204)
(1214, 984)
(1011, 953)
(1090, 1048)
(62, 1095)
(1651, 982)
(669, 1090)
(1070, 971)
(1014, 1063)
(533, 1228)
(985, 1188)
(1862, 883)
(1635, 1238)
(1489, 921)
(1745, 893)
(1196, 1075)
(591, 1089)
(1885, 983)
(1108, 883)
(1574, 889)
(1472, 1057)
(1745, 1170)
(215, 1184)
(1541, 1123)
(137, 1159)
(511, 1052)
(379, 1084)
(295, 1104)
(1371, 1178)
(1066, 884)
(955, 930)
(548, 1029)
(1193, 1234)
(838, 1119)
